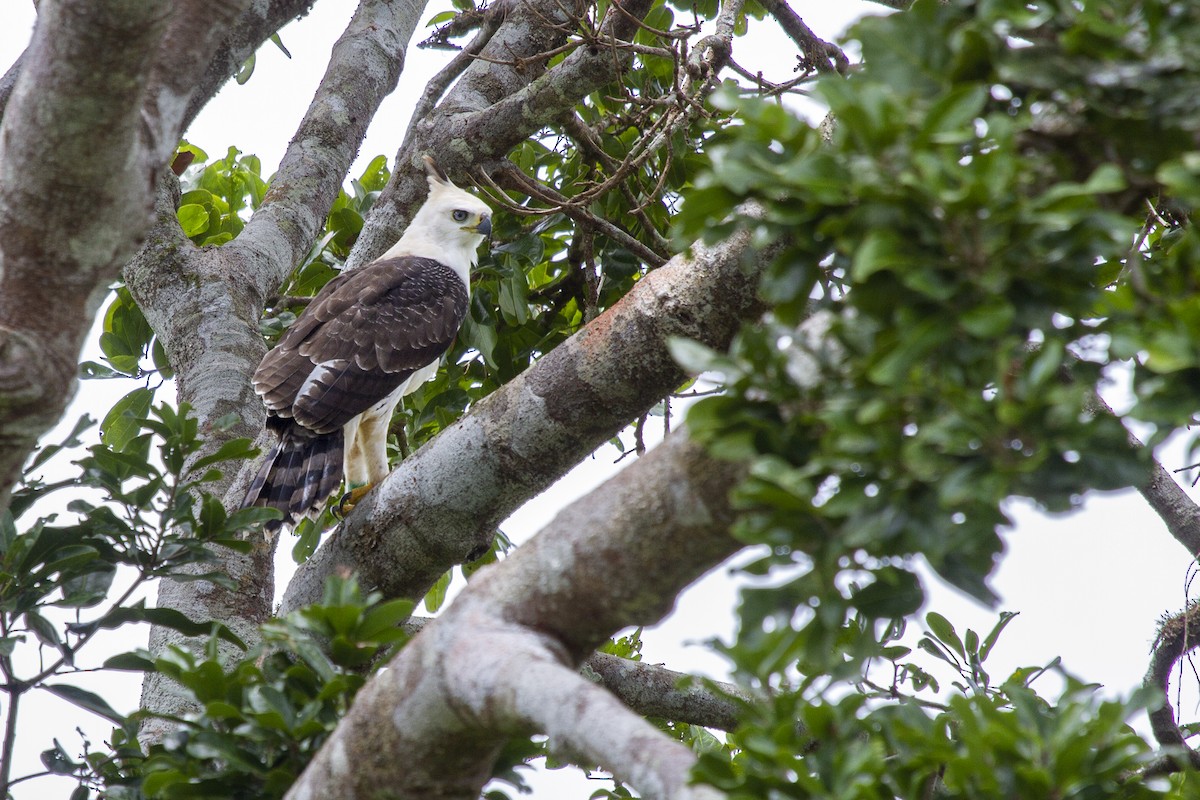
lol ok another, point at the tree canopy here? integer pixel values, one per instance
(887, 326)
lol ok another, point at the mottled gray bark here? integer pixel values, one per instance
(502, 660)
(655, 691)
(98, 128)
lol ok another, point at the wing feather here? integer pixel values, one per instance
(360, 338)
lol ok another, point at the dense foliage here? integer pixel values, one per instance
(995, 226)
(996, 229)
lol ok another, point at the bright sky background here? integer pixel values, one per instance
(1090, 585)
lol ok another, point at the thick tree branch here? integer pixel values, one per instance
(363, 69)
(194, 31)
(67, 225)
(1172, 504)
(444, 501)
(654, 691)
(501, 660)
(9, 81)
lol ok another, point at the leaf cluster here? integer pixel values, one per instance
(138, 510)
(261, 718)
(987, 740)
(959, 283)
(998, 225)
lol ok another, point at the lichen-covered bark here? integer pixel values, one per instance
(98, 129)
(444, 501)
(502, 659)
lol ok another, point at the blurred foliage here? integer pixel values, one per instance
(995, 230)
(986, 740)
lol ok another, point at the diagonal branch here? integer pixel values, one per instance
(1178, 512)
(655, 691)
(1172, 504)
(652, 690)
(500, 661)
(819, 55)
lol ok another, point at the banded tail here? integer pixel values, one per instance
(299, 473)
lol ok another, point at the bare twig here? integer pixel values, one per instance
(818, 54)
(574, 208)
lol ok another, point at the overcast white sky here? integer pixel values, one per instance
(1089, 585)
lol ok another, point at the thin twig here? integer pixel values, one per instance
(567, 206)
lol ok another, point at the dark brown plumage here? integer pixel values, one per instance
(368, 338)
(358, 341)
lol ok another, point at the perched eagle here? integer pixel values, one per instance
(369, 337)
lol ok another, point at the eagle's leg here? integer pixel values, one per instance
(350, 499)
(366, 461)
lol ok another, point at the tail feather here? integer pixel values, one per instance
(299, 473)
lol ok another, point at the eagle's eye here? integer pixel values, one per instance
(459, 215)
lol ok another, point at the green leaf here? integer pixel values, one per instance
(166, 617)
(945, 633)
(245, 71)
(437, 593)
(234, 449)
(43, 629)
(881, 250)
(193, 219)
(990, 640)
(57, 761)
(121, 423)
(129, 662)
(694, 357)
(894, 594)
(86, 700)
(8, 530)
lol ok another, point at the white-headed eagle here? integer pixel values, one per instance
(369, 337)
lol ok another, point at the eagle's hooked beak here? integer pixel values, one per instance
(484, 227)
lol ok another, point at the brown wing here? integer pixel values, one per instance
(360, 338)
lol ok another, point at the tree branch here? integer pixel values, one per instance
(1173, 506)
(444, 501)
(819, 55)
(9, 81)
(655, 691)
(363, 69)
(1178, 512)
(1177, 635)
(501, 99)
(652, 690)
(500, 660)
(68, 223)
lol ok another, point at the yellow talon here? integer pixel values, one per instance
(349, 500)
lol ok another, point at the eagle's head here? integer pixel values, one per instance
(449, 227)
